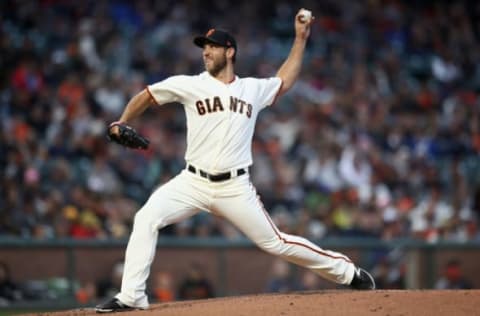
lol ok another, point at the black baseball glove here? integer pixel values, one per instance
(127, 136)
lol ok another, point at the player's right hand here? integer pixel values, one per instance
(302, 27)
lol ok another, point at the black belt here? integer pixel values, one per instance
(215, 177)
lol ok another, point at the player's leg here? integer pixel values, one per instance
(246, 212)
(170, 203)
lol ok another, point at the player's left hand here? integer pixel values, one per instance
(125, 135)
(302, 24)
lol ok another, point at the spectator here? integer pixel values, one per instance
(430, 215)
(9, 290)
(87, 293)
(452, 277)
(389, 272)
(281, 279)
(163, 287)
(195, 285)
(111, 285)
(309, 282)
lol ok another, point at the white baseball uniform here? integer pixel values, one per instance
(220, 124)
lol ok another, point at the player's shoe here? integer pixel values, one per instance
(362, 280)
(112, 306)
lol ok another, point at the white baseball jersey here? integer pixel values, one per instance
(220, 117)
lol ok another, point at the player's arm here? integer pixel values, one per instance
(290, 68)
(136, 106)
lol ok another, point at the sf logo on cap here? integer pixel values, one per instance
(210, 32)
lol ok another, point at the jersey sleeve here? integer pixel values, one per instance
(269, 89)
(168, 90)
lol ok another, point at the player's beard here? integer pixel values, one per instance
(217, 65)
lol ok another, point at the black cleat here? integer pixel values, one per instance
(112, 306)
(362, 280)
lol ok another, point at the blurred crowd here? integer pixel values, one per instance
(380, 136)
(191, 283)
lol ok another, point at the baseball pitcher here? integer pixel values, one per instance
(221, 110)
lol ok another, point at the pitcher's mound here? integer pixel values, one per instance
(336, 302)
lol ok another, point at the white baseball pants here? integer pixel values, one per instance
(237, 201)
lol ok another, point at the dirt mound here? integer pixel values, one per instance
(418, 302)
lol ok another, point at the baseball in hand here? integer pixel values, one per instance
(305, 16)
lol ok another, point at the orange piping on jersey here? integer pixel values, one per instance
(234, 77)
(278, 93)
(294, 242)
(151, 96)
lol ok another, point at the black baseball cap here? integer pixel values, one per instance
(216, 36)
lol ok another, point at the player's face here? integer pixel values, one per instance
(214, 58)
